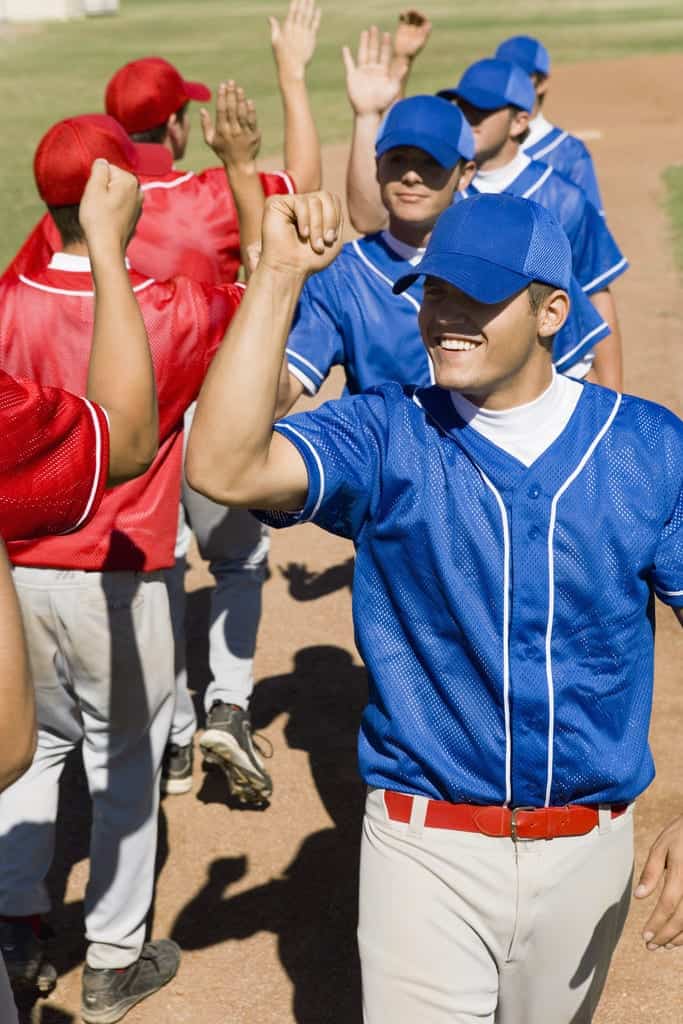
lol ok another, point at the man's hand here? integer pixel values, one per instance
(301, 234)
(370, 85)
(665, 925)
(110, 207)
(235, 137)
(411, 35)
(294, 41)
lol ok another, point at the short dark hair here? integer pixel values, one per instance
(68, 224)
(158, 133)
(538, 293)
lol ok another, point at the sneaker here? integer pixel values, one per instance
(109, 993)
(176, 768)
(228, 743)
(23, 950)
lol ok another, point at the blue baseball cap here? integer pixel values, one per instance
(491, 84)
(492, 246)
(428, 123)
(526, 51)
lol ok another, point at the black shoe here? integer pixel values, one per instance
(24, 954)
(176, 769)
(108, 994)
(228, 743)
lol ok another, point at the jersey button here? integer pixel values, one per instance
(533, 533)
(534, 491)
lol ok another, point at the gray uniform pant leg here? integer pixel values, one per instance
(460, 928)
(101, 654)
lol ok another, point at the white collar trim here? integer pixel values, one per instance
(409, 253)
(500, 178)
(72, 263)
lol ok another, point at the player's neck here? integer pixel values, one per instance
(76, 249)
(416, 235)
(505, 155)
(521, 389)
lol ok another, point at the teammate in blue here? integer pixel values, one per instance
(349, 315)
(512, 528)
(546, 142)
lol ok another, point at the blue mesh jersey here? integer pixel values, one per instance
(597, 259)
(570, 157)
(348, 315)
(504, 613)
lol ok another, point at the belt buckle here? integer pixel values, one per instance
(513, 825)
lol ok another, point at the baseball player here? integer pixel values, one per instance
(348, 314)
(545, 142)
(509, 545)
(95, 605)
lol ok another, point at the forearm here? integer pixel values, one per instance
(232, 431)
(121, 375)
(607, 365)
(247, 192)
(400, 70)
(363, 197)
(17, 703)
(302, 145)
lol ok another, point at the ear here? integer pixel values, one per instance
(552, 313)
(519, 125)
(468, 170)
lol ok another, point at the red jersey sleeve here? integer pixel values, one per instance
(36, 252)
(278, 184)
(54, 459)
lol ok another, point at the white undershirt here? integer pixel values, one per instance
(72, 262)
(525, 431)
(538, 129)
(409, 253)
(500, 178)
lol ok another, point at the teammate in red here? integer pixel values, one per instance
(95, 605)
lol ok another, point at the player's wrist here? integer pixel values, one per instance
(291, 75)
(242, 166)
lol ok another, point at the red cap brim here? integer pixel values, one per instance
(152, 160)
(197, 91)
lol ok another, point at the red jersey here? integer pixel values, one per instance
(54, 459)
(188, 227)
(46, 323)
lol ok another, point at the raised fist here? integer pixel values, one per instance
(411, 34)
(111, 206)
(301, 234)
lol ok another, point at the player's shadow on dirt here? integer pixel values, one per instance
(305, 585)
(313, 907)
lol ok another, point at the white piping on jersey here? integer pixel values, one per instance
(506, 633)
(537, 184)
(308, 384)
(551, 589)
(584, 341)
(98, 467)
(316, 371)
(669, 593)
(321, 471)
(506, 612)
(601, 277)
(550, 147)
(404, 295)
(287, 180)
(167, 184)
(70, 291)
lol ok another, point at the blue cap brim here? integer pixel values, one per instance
(483, 281)
(482, 99)
(443, 152)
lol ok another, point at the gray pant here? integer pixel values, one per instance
(101, 655)
(460, 928)
(236, 546)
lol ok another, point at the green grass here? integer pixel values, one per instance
(673, 180)
(52, 71)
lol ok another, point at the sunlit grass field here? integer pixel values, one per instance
(52, 71)
(673, 179)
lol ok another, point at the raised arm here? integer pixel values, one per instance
(410, 38)
(235, 138)
(120, 374)
(17, 704)
(371, 90)
(293, 47)
(234, 456)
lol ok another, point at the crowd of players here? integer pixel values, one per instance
(123, 294)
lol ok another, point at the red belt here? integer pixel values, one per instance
(502, 822)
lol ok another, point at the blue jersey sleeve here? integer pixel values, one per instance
(667, 573)
(583, 174)
(581, 333)
(315, 342)
(596, 256)
(342, 444)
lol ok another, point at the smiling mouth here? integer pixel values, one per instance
(458, 345)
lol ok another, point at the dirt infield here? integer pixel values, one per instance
(263, 903)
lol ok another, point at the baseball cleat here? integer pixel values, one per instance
(24, 954)
(109, 993)
(228, 743)
(176, 769)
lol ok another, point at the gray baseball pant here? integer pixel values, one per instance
(101, 655)
(460, 928)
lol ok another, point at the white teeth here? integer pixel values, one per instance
(457, 346)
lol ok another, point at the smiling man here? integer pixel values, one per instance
(512, 529)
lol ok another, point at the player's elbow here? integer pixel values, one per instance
(131, 454)
(18, 756)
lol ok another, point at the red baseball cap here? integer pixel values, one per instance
(144, 93)
(66, 152)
